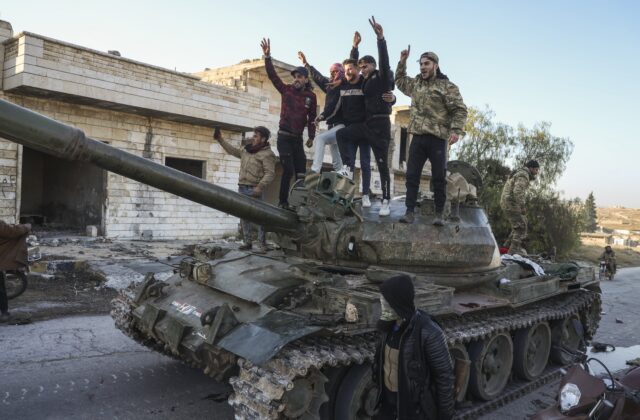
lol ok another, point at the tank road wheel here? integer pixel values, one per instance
(491, 361)
(564, 335)
(303, 401)
(335, 376)
(357, 394)
(531, 350)
(461, 367)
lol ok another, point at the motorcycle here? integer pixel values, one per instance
(582, 395)
(605, 271)
(16, 280)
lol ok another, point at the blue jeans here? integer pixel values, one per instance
(247, 226)
(365, 162)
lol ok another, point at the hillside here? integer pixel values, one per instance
(619, 218)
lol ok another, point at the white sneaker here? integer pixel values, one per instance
(345, 172)
(365, 201)
(384, 209)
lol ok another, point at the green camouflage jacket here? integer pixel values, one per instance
(436, 104)
(513, 194)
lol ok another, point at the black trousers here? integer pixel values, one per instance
(376, 132)
(423, 147)
(4, 302)
(293, 160)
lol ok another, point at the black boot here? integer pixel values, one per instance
(408, 217)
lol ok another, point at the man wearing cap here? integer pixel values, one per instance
(257, 170)
(412, 366)
(376, 129)
(298, 110)
(513, 203)
(437, 119)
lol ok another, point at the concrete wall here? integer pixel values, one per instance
(133, 207)
(143, 109)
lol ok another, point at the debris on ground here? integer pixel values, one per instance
(634, 362)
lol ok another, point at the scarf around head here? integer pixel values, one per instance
(255, 149)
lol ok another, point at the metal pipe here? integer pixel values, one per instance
(54, 138)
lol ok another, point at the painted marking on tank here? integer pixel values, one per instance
(186, 309)
(24, 392)
(6, 397)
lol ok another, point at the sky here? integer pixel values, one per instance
(573, 63)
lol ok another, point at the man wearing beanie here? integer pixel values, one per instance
(412, 367)
(513, 203)
(436, 121)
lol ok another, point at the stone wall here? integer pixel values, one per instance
(38, 65)
(131, 207)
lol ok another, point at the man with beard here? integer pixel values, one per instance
(437, 119)
(298, 109)
(257, 170)
(376, 129)
(513, 203)
(331, 114)
(412, 366)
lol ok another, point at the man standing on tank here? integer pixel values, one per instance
(513, 203)
(376, 129)
(437, 119)
(298, 109)
(257, 170)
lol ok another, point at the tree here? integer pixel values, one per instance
(590, 215)
(496, 149)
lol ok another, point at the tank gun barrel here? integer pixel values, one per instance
(51, 137)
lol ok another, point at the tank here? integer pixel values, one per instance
(294, 330)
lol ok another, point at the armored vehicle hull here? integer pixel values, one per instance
(293, 330)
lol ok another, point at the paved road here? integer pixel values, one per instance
(83, 368)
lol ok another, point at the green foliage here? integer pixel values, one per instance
(590, 216)
(554, 224)
(496, 149)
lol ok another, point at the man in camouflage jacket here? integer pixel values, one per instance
(437, 119)
(513, 203)
(257, 171)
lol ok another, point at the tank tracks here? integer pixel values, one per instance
(121, 307)
(260, 392)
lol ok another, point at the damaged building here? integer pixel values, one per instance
(162, 115)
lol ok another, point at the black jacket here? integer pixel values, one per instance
(379, 82)
(425, 372)
(332, 113)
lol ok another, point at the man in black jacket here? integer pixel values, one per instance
(376, 129)
(412, 367)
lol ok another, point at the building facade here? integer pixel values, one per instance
(162, 115)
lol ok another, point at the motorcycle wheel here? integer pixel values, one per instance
(15, 283)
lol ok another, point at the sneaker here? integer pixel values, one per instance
(408, 217)
(245, 247)
(384, 209)
(345, 172)
(5, 317)
(365, 201)
(438, 220)
(261, 249)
